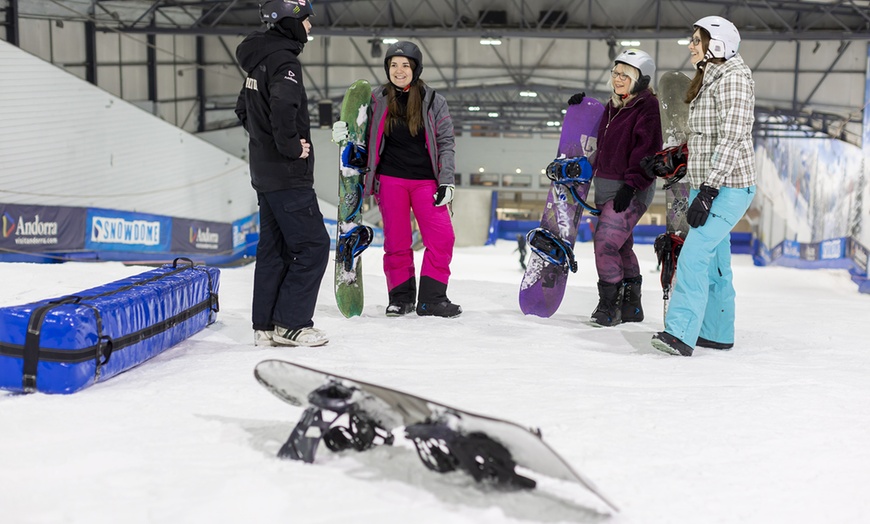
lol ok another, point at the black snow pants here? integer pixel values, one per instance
(292, 255)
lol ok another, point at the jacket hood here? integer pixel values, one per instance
(257, 46)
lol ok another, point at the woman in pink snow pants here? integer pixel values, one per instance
(411, 166)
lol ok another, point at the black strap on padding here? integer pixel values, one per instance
(31, 341)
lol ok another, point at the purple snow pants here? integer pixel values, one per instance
(397, 197)
(614, 242)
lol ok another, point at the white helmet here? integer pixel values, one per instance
(724, 37)
(641, 61)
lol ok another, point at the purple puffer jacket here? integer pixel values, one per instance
(625, 136)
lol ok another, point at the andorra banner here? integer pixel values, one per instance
(41, 229)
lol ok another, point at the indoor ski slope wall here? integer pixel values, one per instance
(65, 142)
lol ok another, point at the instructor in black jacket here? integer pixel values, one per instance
(293, 249)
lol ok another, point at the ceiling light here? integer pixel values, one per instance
(630, 43)
(683, 41)
(480, 170)
(474, 108)
(492, 115)
(490, 41)
(530, 94)
(389, 41)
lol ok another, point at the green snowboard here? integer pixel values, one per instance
(351, 236)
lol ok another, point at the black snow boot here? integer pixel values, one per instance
(609, 310)
(632, 311)
(433, 300)
(402, 298)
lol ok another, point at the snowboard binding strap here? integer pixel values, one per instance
(551, 248)
(669, 165)
(354, 201)
(351, 244)
(570, 172)
(354, 155)
(360, 432)
(443, 449)
(667, 247)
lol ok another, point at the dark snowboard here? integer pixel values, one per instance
(446, 438)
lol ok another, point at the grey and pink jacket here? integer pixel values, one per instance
(439, 136)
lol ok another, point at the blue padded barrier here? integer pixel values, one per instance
(64, 344)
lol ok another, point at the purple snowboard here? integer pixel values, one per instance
(544, 283)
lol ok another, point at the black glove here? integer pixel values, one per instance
(700, 208)
(623, 198)
(576, 99)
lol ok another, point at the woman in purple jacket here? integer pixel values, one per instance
(630, 130)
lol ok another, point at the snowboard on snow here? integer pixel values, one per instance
(675, 123)
(552, 244)
(345, 413)
(352, 237)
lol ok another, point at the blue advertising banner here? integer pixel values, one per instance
(109, 230)
(41, 229)
(197, 236)
(244, 227)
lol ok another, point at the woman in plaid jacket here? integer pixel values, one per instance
(721, 170)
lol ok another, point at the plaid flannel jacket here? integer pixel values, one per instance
(720, 127)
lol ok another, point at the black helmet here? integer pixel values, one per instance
(272, 11)
(409, 50)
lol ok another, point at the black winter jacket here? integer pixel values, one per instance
(273, 108)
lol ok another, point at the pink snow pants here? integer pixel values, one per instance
(397, 197)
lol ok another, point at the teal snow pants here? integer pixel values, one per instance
(702, 303)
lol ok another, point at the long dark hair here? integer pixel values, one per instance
(698, 79)
(412, 115)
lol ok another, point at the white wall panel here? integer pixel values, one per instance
(109, 79)
(66, 142)
(67, 43)
(134, 82)
(35, 36)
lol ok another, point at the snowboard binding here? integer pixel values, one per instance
(359, 432)
(572, 171)
(443, 450)
(354, 155)
(667, 247)
(351, 244)
(669, 165)
(551, 248)
(353, 201)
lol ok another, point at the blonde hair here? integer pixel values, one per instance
(632, 73)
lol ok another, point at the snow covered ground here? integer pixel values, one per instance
(775, 431)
